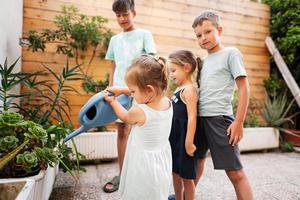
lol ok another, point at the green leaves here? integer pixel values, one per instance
(8, 142)
(274, 111)
(9, 80)
(74, 33)
(35, 131)
(10, 119)
(47, 155)
(285, 31)
(7, 158)
(28, 160)
(91, 86)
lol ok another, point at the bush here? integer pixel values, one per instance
(285, 31)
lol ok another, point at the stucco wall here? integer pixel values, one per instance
(11, 22)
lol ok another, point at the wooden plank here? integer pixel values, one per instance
(258, 73)
(240, 8)
(95, 69)
(230, 29)
(161, 31)
(156, 17)
(179, 5)
(284, 70)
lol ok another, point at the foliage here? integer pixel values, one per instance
(29, 139)
(274, 111)
(26, 136)
(287, 147)
(51, 102)
(274, 86)
(285, 31)
(252, 119)
(74, 34)
(10, 79)
(92, 86)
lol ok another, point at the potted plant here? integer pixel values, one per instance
(274, 114)
(30, 137)
(257, 136)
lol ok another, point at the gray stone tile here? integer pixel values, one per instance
(272, 175)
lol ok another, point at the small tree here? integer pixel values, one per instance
(74, 35)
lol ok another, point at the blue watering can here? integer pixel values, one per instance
(97, 112)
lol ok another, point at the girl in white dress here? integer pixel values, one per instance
(147, 167)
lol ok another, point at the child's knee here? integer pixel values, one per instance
(236, 175)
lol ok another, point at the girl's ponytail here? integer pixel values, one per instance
(199, 68)
(164, 71)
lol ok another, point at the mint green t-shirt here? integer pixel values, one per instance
(125, 47)
(220, 69)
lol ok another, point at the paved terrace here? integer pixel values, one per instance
(273, 176)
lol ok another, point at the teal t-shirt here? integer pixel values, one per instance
(124, 48)
(220, 69)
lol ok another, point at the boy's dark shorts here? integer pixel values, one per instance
(211, 134)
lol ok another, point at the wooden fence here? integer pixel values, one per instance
(246, 25)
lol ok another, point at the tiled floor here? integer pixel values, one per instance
(273, 176)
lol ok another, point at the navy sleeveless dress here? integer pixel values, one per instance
(182, 164)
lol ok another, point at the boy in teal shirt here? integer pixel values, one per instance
(123, 49)
(217, 129)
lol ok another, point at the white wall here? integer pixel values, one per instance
(11, 22)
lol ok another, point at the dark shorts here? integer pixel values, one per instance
(212, 135)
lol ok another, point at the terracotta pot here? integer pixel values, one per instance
(292, 138)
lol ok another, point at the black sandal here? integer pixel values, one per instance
(115, 185)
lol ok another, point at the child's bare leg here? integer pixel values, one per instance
(123, 132)
(189, 189)
(200, 169)
(241, 184)
(178, 186)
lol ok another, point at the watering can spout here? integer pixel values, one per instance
(75, 133)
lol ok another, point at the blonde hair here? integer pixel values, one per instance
(182, 57)
(209, 15)
(148, 70)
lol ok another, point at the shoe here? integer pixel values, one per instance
(172, 197)
(115, 185)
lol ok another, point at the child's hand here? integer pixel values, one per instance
(190, 148)
(109, 98)
(235, 130)
(115, 90)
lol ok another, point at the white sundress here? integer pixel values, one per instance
(147, 166)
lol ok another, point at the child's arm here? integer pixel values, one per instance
(235, 130)
(112, 72)
(118, 90)
(191, 97)
(133, 116)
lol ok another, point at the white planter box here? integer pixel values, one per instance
(97, 145)
(43, 182)
(259, 138)
(17, 189)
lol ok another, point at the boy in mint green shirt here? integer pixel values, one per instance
(123, 49)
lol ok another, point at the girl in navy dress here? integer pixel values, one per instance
(182, 138)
